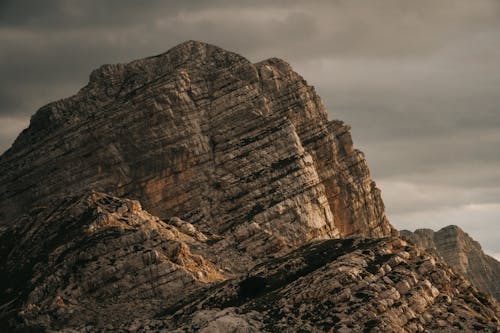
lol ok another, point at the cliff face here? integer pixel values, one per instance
(202, 134)
(462, 253)
(196, 191)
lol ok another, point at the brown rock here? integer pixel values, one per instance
(334, 285)
(246, 185)
(462, 253)
(96, 257)
(202, 134)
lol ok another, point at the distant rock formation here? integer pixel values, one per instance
(196, 191)
(462, 253)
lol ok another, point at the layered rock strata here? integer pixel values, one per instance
(100, 263)
(196, 191)
(349, 285)
(97, 259)
(462, 253)
(205, 135)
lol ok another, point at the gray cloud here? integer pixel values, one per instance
(417, 80)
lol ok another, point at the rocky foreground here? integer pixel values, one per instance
(99, 262)
(196, 191)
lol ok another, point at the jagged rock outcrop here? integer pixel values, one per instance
(205, 135)
(462, 253)
(97, 262)
(349, 285)
(95, 259)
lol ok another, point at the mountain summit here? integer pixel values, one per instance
(196, 191)
(202, 134)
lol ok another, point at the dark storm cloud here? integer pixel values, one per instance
(417, 80)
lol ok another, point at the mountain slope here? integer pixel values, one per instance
(94, 257)
(462, 253)
(349, 285)
(195, 190)
(203, 134)
(99, 262)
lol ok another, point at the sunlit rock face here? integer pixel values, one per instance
(98, 262)
(196, 191)
(462, 253)
(205, 135)
(96, 256)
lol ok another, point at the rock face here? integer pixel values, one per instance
(202, 134)
(350, 285)
(95, 256)
(462, 253)
(97, 262)
(196, 191)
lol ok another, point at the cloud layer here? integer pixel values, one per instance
(419, 81)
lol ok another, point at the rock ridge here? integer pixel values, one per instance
(99, 262)
(462, 253)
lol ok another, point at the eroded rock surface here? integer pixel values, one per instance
(117, 268)
(95, 259)
(205, 135)
(350, 285)
(196, 191)
(462, 253)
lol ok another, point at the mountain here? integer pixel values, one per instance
(205, 135)
(462, 253)
(196, 191)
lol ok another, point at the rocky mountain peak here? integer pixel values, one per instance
(196, 191)
(180, 130)
(461, 252)
(189, 55)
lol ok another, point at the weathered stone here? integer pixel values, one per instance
(247, 187)
(202, 134)
(462, 253)
(314, 287)
(92, 255)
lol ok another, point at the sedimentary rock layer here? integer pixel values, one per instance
(205, 135)
(95, 259)
(462, 253)
(98, 262)
(242, 187)
(349, 285)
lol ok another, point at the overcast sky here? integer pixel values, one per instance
(418, 81)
